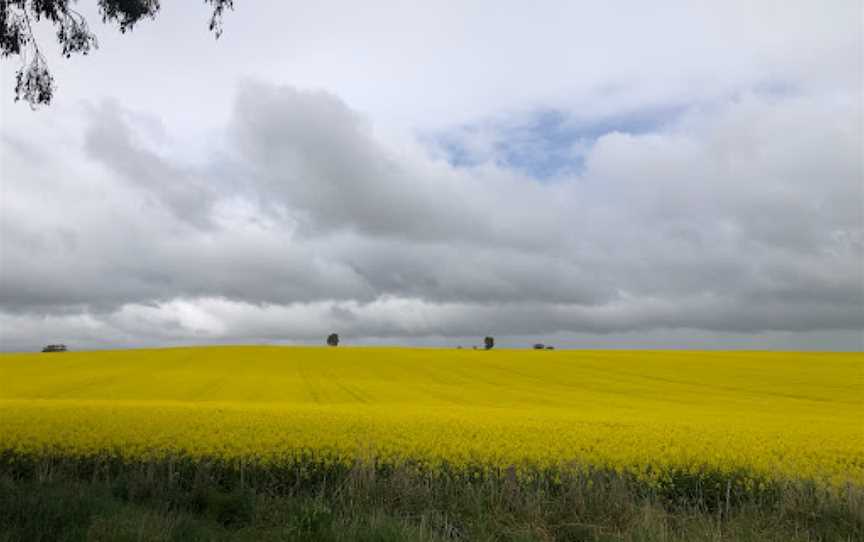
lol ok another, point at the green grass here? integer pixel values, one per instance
(98, 499)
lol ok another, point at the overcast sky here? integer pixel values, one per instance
(621, 174)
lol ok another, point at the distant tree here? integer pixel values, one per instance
(550, 348)
(539, 346)
(33, 81)
(489, 343)
(333, 339)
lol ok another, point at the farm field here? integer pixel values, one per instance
(498, 443)
(777, 415)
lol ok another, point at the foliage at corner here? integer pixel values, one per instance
(33, 81)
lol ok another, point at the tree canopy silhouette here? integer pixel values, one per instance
(33, 81)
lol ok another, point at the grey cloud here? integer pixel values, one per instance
(409, 320)
(454, 272)
(318, 222)
(309, 153)
(111, 140)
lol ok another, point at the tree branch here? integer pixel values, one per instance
(33, 81)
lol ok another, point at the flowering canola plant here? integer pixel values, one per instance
(775, 415)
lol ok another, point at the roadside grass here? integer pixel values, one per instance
(105, 499)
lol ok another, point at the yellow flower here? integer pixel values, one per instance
(652, 414)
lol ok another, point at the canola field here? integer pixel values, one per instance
(777, 416)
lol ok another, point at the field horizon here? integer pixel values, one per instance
(397, 346)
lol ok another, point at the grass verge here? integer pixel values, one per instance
(105, 499)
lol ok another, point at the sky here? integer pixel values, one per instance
(606, 175)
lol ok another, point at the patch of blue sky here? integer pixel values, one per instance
(545, 144)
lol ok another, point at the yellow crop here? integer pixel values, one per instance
(776, 415)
